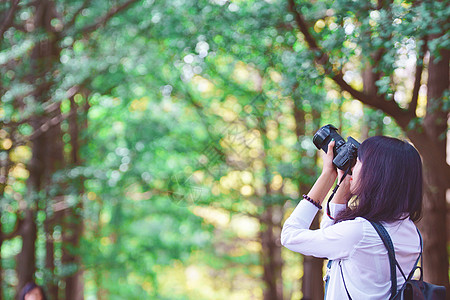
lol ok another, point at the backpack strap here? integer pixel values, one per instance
(420, 257)
(384, 235)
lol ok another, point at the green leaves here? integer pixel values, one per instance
(192, 114)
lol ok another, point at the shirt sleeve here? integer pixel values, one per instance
(336, 241)
(335, 209)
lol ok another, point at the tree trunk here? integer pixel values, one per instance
(26, 259)
(433, 223)
(340, 112)
(4, 174)
(312, 279)
(72, 225)
(54, 162)
(47, 153)
(270, 233)
(73, 222)
(52, 286)
(271, 257)
(370, 118)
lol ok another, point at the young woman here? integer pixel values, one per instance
(387, 183)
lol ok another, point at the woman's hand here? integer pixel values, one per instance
(328, 168)
(326, 180)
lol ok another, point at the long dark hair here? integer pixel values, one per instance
(390, 182)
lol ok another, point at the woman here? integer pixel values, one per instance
(387, 183)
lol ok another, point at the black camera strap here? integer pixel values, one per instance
(334, 191)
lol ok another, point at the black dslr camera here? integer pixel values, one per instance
(344, 152)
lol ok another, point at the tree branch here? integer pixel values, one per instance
(75, 15)
(103, 20)
(383, 4)
(56, 120)
(322, 58)
(47, 108)
(8, 21)
(303, 27)
(49, 124)
(418, 76)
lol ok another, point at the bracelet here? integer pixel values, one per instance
(316, 204)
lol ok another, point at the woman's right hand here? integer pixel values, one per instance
(328, 167)
(326, 180)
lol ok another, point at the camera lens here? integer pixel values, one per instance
(320, 137)
(344, 152)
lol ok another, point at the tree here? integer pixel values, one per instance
(36, 69)
(378, 36)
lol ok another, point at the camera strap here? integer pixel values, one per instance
(334, 191)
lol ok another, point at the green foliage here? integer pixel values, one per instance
(188, 112)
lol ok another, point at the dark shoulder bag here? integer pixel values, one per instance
(411, 289)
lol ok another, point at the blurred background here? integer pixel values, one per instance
(153, 149)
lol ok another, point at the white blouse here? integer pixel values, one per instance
(363, 256)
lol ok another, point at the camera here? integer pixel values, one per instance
(344, 152)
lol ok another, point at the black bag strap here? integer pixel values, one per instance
(411, 274)
(384, 235)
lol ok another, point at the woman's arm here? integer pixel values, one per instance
(335, 241)
(305, 211)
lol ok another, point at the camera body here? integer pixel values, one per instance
(344, 152)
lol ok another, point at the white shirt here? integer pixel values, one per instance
(356, 244)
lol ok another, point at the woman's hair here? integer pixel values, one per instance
(389, 187)
(28, 288)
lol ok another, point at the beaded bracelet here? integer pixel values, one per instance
(316, 204)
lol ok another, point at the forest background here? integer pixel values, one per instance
(152, 149)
